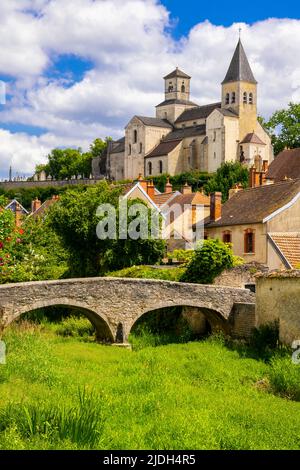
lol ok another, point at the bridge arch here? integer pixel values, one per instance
(98, 319)
(216, 319)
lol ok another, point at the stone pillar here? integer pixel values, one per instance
(195, 319)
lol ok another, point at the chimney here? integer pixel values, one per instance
(142, 182)
(168, 187)
(215, 206)
(257, 179)
(18, 215)
(35, 204)
(151, 189)
(252, 172)
(186, 189)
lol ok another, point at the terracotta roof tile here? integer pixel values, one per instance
(288, 245)
(163, 198)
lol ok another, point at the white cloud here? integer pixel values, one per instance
(130, 51)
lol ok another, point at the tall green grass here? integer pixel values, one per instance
(81, 423)
(57, 392)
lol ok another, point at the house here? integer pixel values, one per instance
(185, 136)
(262, 223)
(39, 209)
(181, 211)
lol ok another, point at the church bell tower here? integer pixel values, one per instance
(239, 91)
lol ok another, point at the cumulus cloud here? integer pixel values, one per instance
(130, 49)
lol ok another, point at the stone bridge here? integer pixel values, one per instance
(113, 305)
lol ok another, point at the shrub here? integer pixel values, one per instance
(209, 260)
(265, 339)
(148, 272)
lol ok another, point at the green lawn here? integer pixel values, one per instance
(63, 393)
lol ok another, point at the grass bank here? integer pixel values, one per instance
(59, 392)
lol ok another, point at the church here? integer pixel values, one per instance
(185, 136)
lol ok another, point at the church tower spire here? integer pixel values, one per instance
(239, 68)
(239, 91)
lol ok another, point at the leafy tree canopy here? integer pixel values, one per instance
(66, 163)
(75, 221)
(284, 127)
(226, 177)
(209, 260)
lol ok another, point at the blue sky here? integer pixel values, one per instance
(218, 14)
(81, 72)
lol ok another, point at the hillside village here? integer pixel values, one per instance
(149, 264)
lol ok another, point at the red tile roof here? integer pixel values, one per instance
(288, 244)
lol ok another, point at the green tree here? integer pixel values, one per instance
(75, 221)
(226, 177)
(209, 260)
(66, 163)
(284, 127)
(98, 147)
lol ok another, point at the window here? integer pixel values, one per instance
(135, 136)
(149, 168)
(245, 97)
(141, 147)
(249, 241)
(215, 156)
(170, 87)
(227, 236)
(250, 98)
(215, 136)
(233, 97)
(160, 165)
(227, 98)
(129, 149)
(182, 88)
(166, 115)
(205, 236)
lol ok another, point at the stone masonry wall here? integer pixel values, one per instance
(118, 301)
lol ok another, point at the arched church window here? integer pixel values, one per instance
(227, 98)
(149, 168)
(182, 88)
(135, 136)
(170, 88)
(129, 149)
(141, 147)
(160, 164)
(233, 97)
(250, 98)
(244, 97)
